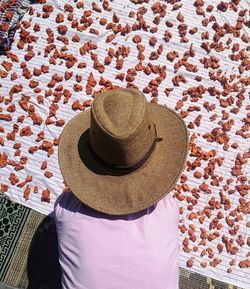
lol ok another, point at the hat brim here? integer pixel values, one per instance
(117, 193)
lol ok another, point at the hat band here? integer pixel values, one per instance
(134, 166)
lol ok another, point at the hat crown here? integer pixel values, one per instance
(121, 131)
(119, 113)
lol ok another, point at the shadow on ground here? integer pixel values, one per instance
(43, 268)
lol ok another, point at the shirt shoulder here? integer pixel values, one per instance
(170, 207)
(65, 200)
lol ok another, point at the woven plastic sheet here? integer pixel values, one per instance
(197, 63)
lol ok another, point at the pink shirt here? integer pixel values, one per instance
(99, 251)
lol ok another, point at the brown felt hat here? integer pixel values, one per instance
(123, 154)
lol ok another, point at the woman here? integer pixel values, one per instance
(118, 225)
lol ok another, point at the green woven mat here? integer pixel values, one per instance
(29, 253)
(12, 221)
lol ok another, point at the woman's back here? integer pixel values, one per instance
(99, 251)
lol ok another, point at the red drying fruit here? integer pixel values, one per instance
(26, 192)
(45, 196)
(48, 174)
